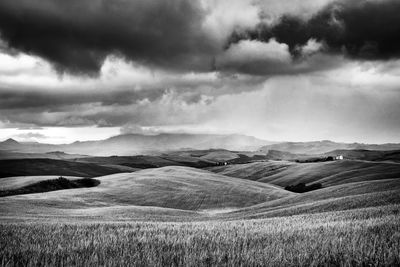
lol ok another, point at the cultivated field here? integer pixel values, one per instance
(368, 237)
(284, 173)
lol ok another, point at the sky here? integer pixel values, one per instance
(279, 70)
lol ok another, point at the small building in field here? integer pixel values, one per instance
(339, 157)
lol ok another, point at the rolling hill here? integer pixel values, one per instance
(184, 193)
(166, 186)
(321, 147)
(178, 188)
(219, 155)
(5, 154)
(32, 167)
(284, 173)
(357, 195)
(252, 171)
(146, 161)
(334, 173)
(187, 188)
(368, 155)
(13, 183)
(49, 185)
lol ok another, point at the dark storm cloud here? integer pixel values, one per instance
(358, 29)
(55, 101)
(77, 35)
(83, 108)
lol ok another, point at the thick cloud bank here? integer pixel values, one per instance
(77, 35)
(358, 29)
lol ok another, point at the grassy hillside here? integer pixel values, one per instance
(220, 155)
(368, 237)
(145, 194)
(252, 171)
(370, 155)
(334, 173)
(12, 183)
(181, 188)
(285, 173)
(140, 162)
(146, 161)
(341, 197)
(34, 167)
(189, 189)
(320, 147)
(56, 184)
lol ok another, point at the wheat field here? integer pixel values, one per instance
(363, 237)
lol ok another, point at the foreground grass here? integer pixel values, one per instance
(358, 237)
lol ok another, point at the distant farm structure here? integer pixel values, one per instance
(338, 157)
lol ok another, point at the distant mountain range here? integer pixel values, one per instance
(9, 144)
(132, 144)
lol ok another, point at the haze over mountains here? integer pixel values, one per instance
(134, 144)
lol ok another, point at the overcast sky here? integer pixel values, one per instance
(292, 70)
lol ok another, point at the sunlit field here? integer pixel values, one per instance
(364, 237)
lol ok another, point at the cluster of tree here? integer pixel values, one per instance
(51, 185)
(311, 160)
(243, 159)
(302, 187)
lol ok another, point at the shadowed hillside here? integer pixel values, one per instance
(29, 167)
(145, 161)
(12, 183)
(51, 185)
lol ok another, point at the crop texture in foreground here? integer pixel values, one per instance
(358, 237)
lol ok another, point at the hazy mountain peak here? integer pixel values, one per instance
(10, 141)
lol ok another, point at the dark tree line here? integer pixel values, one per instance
(302, 187)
